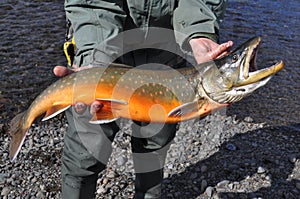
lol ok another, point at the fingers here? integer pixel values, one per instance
(80, 107)
(95, 107)
(221, 50)
(62, 71)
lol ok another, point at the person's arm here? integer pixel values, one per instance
(94, 23)
(196, 25)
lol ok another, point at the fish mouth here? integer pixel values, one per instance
(249, 73)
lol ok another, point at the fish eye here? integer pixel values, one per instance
(235, 58)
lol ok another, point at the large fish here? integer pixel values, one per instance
(141, 94)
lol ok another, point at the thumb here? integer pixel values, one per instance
(62, 71)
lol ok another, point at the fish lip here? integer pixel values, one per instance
(260, 75)
(249, 73)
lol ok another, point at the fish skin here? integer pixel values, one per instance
(162, 96)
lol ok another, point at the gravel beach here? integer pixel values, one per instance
(216, 157)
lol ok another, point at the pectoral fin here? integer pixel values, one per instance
(108, 112)
(55, 110)
(184, 109)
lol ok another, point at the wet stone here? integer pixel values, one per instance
(209, 191)
(298, 185)
(261, 170)
(231, 147)
(5, 191)
(203, 185)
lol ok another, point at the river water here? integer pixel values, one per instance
(32, 35)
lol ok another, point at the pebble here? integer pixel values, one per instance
(101, 190)
(261, 170)
(34, 179)
(248, 119)
(111, 174)
(292, 158)
(104, 181)
(209, 191)
(121, 160)
(40, 195)
(203, 168)
(231, 147)
(203, 185)
(5, 191)
(298, 185)
(223, 183)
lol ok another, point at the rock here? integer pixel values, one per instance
(231, 147)
(203, 168)
(193, 176)
(261, 170)
(5, 191)
(209, 191)
(248, 119)
(111, 174)
(121, 160)
(101, 190)
(40, 195)
(292, 158)
(104, 181)
(34, 179)
(203, 185)
(298, 185)
(223, 183)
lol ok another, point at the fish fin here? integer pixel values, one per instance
(112, 101)
(55, 110)
(108, 111)
(184, 109)
(18, 133)
(103, 121)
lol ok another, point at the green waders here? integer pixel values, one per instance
(81, 163)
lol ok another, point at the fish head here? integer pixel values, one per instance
(231, 78)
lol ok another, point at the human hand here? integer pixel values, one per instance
(79, 107)
(61, 71)
(205, 49)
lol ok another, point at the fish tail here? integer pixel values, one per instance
(18, 130)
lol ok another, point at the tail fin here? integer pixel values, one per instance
(18, 133)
